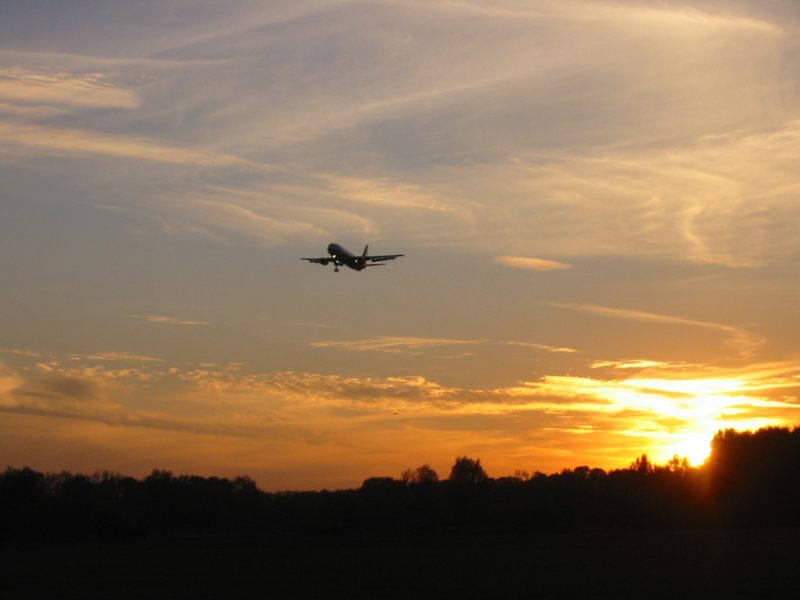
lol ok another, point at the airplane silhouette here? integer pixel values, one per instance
(342, 256)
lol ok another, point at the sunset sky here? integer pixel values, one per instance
(598, 203)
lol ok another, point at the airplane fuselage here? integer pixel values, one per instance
(342, 256)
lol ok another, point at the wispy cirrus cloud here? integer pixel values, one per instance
(599, 195)
(416, 345)
(24, 138)
(545, 347)
(673, 16)
(641, 363)
(534, 264)
(37, 112)
(29, 96)
(382, 192)
(744, 341)
(68, 90)
(117, 356)
(168, 320)
(255, 211)
(392, 344)
(21, 352)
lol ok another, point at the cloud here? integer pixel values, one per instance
(168, 320)
(259, 212)
(19, 86)
(58, 387)
(534, 264)
(237, 428)
(24, 138)
(382, 192)
(686, 16)
(691, 201)
(84, 394)
(416, 345)
(668, 412)
(614, 12)
(555, 349)
(392, 345)
(51, 390)
(122, 356)
(638, 364)
(20, 352)
(744, 341)
(412, 394)
(105, 69)
(29, 112)
(544, 156)
(662, 410)
(39, 95)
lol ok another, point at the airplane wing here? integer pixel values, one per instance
(321, 261)
(383, 258)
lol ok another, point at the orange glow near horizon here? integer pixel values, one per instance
(373, 425)
(678, 414)
(704, 405)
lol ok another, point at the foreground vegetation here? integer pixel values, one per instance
(750, 480)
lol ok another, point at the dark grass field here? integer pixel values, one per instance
(590, 564)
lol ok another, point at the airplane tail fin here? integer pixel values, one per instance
(366, 250)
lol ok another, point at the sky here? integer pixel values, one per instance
(598, 203)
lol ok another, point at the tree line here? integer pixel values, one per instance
(751, 479)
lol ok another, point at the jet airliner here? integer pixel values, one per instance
(342, 256)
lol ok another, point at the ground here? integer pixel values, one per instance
(628, 564)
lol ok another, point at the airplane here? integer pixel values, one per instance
(342, 256)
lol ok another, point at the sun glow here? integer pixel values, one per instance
(695, 447)
(680, 414)
(694, 442)
(703, 406)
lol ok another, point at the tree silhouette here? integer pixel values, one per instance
(753, 476)
(642, 465)
(467, 471)
(749, 480)
(423, 475)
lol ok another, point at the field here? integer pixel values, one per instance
(591, 564)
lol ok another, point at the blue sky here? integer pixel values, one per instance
(598, 204)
